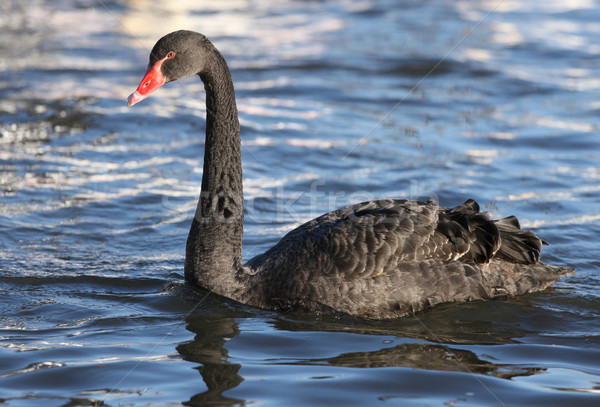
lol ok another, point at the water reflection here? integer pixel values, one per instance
(429, 357)
(220, 338)
(208, 348)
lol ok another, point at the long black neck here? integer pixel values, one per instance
(214, 246)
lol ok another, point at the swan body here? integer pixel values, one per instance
(377, 259)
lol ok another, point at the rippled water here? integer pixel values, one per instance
(339, 102)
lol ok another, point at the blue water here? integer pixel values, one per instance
(339, 102)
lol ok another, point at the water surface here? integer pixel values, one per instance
(339, 102)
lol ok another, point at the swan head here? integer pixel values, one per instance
(175, 56)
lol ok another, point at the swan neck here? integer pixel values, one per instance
(214, 248)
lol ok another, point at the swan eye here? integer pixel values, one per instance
(171, 54)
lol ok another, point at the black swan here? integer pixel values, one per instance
(378, 259)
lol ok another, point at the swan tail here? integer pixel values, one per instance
(522, 278)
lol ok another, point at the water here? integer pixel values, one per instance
(339, 102)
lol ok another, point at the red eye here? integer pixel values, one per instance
(171, 54)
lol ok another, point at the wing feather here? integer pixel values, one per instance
(373, 238)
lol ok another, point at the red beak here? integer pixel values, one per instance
(153, 79)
